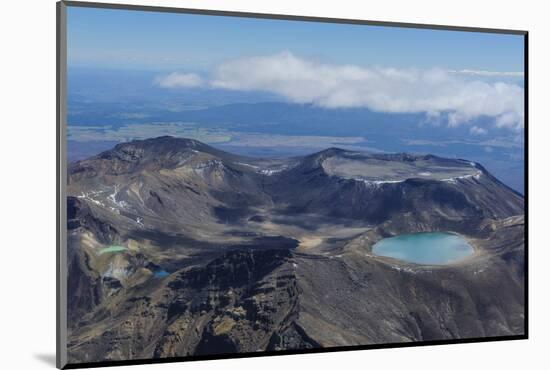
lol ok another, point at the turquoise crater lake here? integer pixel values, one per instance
(424, 248)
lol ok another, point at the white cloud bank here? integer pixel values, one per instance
(436, 92)
(474, 130)
(179, 80)
(488, 73)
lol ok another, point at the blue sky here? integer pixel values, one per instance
(122, 39)
(466, 85)
(459, 76)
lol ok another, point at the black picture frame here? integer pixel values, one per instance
(61, 163)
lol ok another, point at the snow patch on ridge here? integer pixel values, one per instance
(268, 172)
(476, 176)
(376, 183)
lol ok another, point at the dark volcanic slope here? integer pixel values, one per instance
(377, 188)
(179, 249)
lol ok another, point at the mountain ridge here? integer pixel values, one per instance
(266, 254)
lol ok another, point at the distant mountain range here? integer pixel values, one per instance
(499, 149)
(177, 248)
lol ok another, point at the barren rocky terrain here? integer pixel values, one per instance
(179, 249)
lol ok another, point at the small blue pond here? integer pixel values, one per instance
(161, 273)
(424, 248)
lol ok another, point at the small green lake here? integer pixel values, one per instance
(112, 249)
(424, 248)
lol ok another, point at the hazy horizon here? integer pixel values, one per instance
(279, 88)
